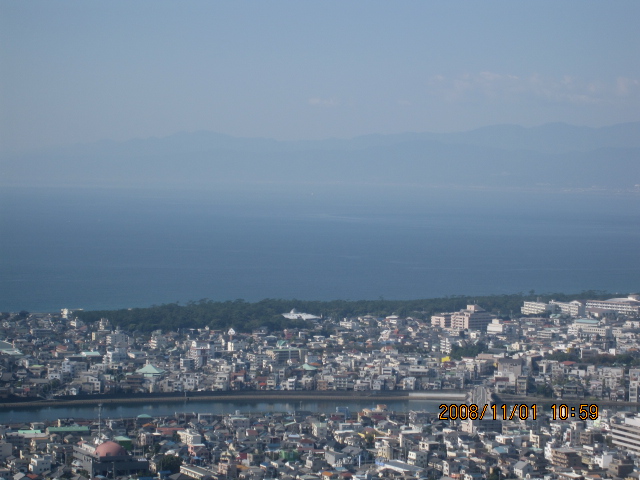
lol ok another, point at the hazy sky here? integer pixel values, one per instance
(78, 71)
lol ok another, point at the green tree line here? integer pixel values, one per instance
(246, 316)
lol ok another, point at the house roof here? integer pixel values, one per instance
(149, 369)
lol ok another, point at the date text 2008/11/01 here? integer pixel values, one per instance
(522, 411)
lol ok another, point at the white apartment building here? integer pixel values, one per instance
(634, 384)
(72, 368)
(627, 306)
(76, 323)
(588, 326)
(473, 317)
(499, 327)
(319, 429)
(221, 381)
(40, 464)
(626, 436)
(237, 422)
(158, 341)
(190, 436)
(442, 320)
(116, 355)
(535, 308)
(117, 338)
(91, 382)
(200, 352)
(575, 308)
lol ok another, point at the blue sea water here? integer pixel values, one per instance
(109, 248)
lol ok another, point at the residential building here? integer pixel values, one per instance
(473, 317)
(108, 459)
(626, 436)
(627, 305)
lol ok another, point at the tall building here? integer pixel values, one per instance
(536, 308)
(634, 384)
(627, 306)
(441, 320)
(281, 355)
(575, 308)
(200, 352)
(626, 436)
(473, 317)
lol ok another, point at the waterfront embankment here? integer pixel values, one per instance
(240, 395)
(520, 399)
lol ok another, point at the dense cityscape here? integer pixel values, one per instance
(319, 240)
(547, 394)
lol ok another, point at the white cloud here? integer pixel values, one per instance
(565, 89)
(626, 86)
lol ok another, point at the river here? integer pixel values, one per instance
(159, 409)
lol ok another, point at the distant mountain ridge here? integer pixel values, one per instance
(550, 138)
(557, 156)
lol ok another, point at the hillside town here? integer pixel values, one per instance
(582, 355)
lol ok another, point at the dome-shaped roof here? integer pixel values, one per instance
(110, 449)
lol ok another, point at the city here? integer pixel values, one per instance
(319, 240)
(550, 394)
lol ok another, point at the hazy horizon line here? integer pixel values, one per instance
(303, 140)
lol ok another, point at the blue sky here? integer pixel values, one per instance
(76, 72)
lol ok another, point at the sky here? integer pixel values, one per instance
(79, 72)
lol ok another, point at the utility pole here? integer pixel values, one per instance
(99, 421)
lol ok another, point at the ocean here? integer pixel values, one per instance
(119, 248)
